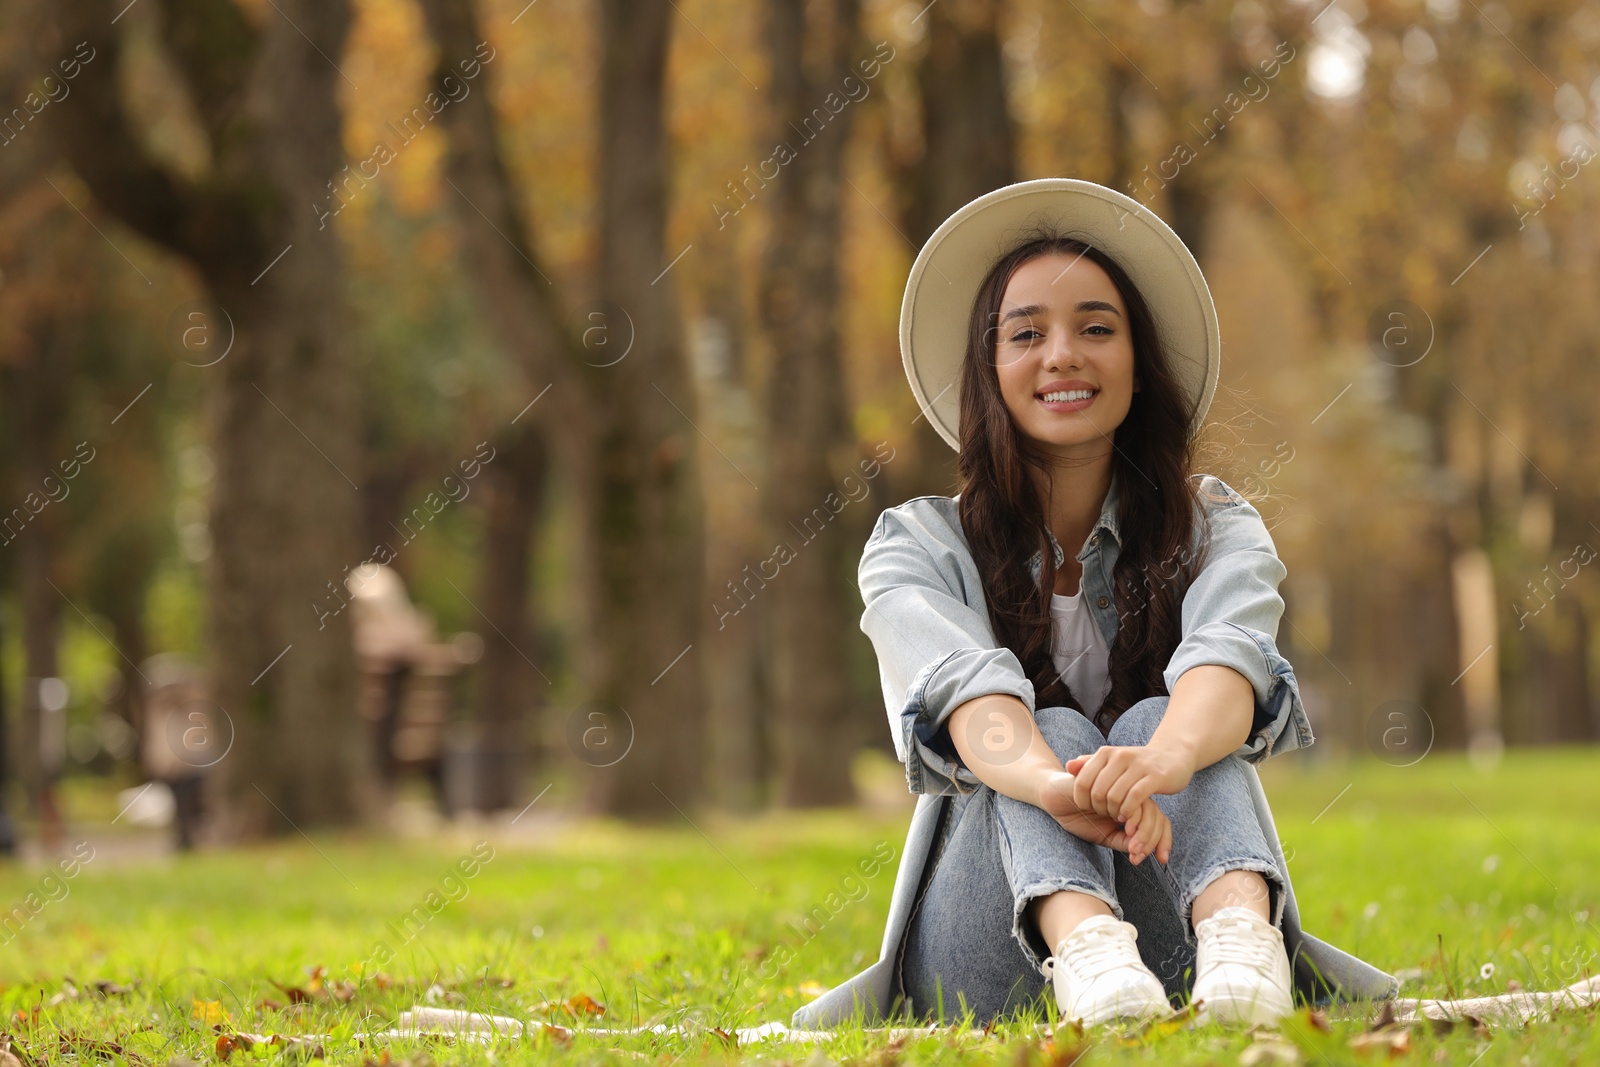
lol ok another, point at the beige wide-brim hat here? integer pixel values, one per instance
(944, 283)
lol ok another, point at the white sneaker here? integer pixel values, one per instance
(1241, 968)
(1099, 976)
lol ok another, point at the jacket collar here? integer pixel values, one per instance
(1107, 522)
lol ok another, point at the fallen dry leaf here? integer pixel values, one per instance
(584, 1004)
(1065, 1053)
(1396, 1041)
(579, 1004)
(559, 1034)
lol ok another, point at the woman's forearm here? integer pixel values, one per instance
(1208, 715)
(998, 740)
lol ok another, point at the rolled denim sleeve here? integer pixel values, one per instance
(934, 654)
(1230, 617)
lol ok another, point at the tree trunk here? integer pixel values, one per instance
(738, 715)
(35, 399)
(810, 443)
(41, 623)
(1554, 661)
(645, 511)
(622, 425)
(285, 426)
(1480, 677)
(966, 122)
(968, 148)
(508, 679)
(8, 829)
(116, 584)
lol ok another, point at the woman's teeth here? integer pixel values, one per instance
(1069, 395)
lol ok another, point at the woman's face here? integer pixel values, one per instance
(1064, 354)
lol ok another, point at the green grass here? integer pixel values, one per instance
(1432, 871)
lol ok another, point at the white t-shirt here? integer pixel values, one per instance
(1079, 650)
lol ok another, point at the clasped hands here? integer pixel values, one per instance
(1106, 797)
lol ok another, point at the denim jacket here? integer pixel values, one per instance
(928, 621)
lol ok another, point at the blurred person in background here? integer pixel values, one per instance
(179, 743)
(392, 639)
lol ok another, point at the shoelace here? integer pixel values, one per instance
(1237, 941)
(1097, 950)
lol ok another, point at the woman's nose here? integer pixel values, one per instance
(1061, 353)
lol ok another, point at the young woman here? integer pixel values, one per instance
(1082, 724)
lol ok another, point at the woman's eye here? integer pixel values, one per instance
(1108, 330)
(1022, 335)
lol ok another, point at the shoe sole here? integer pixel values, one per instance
(1232, 1011)
(1113, 1015)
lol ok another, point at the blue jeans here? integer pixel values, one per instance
(971, 943)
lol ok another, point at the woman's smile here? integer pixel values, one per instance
(1067, 396)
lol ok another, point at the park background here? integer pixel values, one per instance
(573, 313)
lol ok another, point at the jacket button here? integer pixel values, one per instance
(1095, 540)
(1103, 602)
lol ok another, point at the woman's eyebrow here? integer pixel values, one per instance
(1082, 305)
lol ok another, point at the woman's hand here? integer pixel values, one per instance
(1147, 833)
(1116, 780)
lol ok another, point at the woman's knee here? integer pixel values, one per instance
(1137, 725)
(1067, 732)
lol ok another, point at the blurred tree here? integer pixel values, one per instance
(621, 427)
(965, 143)
(720, 124)
(647, 520)
(284, 505)
(516, 484)
(962, 145)
(1402, 111)
(810, 443)
(82, 356)
(34, 392)
(8, 829)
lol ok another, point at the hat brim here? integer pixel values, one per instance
(944, 282)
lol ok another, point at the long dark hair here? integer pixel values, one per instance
(1004, 517)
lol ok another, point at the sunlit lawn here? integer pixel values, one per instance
(1461, 881)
